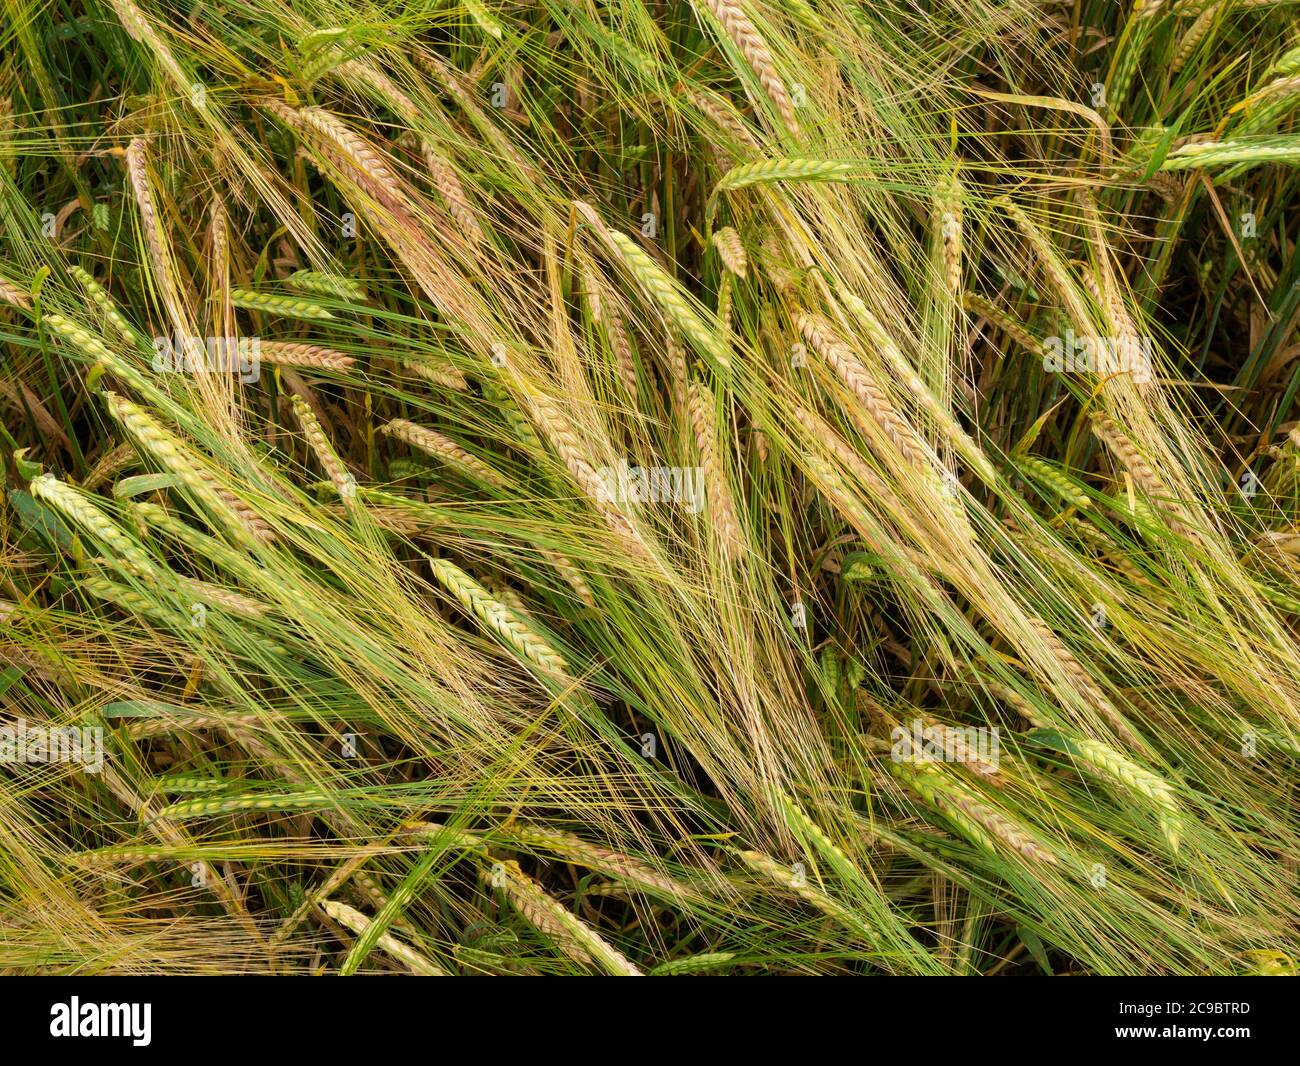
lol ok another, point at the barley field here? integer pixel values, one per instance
(650, 487)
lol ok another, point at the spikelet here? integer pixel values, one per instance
(137, 167)
(818, 333)
(237, 517)
(343, 146)
(752, 46)
(139, 29)
(1048, 474)
(182, 784)
(898, 364)
(317, 281)
(450, 189)
(148, 516)
(153, 727)
(10, 162)
(286, 306)
(227, 599)
(784, 877)
(1192, 39)
(858, 566)
(724, 308)
(129, 600)
(725, 117)
(1122, 447)
(974, 819)
(819, 431)
(723, 508)
(675, 356)
(709, 960)
(403, 953)
(497, 617)
(325, 454)
(435, 444)
(606, 314)
(1019, 333)
(309, 356)
(731, 251)
(561, 437)
(566, 931)
(101, 354)
(486, 21)
(1083, 682)
(12, 294)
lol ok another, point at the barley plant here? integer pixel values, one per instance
(650, 487)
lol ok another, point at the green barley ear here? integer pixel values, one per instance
(692, 964)
(1107, 763)
(358, 923)
(325, 454)
(568, 932)
(316, 281)
(1050, 476)
(232, 513)
(433, 443)
(82, 513)
(785, 169)
(498, 618)
(662, 289)
(99, 353)
(284, 306)
(104, 302)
